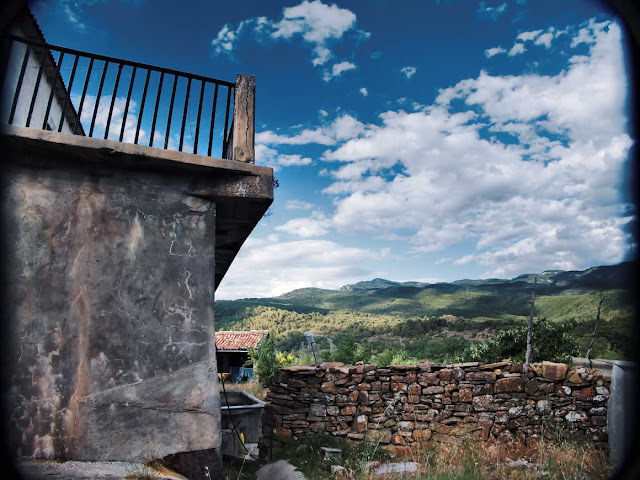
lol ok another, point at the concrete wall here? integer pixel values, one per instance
(112, 288)
(111, 255)
(622, 421)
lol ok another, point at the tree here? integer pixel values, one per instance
(349, 351)
(527, 360)
(264, 360)
(553, 343)
(595, 328)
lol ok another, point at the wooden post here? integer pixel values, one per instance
(244, 121)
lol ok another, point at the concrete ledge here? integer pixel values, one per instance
(242, 192)
(142, 155)
(74, 470)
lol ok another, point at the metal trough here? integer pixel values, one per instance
(245, 412)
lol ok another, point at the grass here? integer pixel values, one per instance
(252, 388)
(548, 460)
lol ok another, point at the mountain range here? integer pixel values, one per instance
(473, 309)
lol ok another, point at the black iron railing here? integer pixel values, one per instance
(66, 90)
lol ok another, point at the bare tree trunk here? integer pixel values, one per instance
(595, 329)
(527, 360)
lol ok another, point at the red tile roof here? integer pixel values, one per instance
(239, 340)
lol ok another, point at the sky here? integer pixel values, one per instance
(418, 140)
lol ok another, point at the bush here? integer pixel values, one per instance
(266, 360)
(348, 351)
(551, 341)
(394, 357)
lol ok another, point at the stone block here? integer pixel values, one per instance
(531, 387)
(359, 424)
(398, 440)
(381, 436)
(575, 378)
(333, 410)
(511, 384)
(488, 377)
(317, 410)
(432, 390)
(422, 435)
(465, 395)
(282, 434)
(348, 410)
(414, 389)
(353, 396)
(588, 391)
(426, 379)
(554, 371)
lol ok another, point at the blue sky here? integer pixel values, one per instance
(415, 140)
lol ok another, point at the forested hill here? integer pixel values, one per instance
(385, 311)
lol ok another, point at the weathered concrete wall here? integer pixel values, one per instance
(112, 272)
(112, 282)
(621, 421)
(403, 404)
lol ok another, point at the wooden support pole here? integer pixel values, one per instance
(244, 121)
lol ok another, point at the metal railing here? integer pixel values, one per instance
(58, 88)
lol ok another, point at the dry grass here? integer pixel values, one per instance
(252, 388)
(473, 461)
(492, 461)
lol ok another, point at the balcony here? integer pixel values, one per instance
(59, 89)
(101, 110)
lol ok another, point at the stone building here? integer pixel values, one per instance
(114, 250)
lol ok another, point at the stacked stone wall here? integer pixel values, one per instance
(403, 404)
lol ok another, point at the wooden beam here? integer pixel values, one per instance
(244, 130)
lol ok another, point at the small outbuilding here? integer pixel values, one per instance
(233, 352)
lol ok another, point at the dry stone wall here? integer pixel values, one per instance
(403, 404)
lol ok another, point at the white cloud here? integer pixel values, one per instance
(517, 49)
(73, 10)
(492, 52)
(315, 226)
(549, 200)
(408, 71)
(271, 158)
(337, 70)
(341, 128)
(268, 268)
(364, 92)
(305, 137)
(298, 205)
(537, 37)
(528, 36)
(318, 25)
(545, 39)
(289, 160)
(492, 13)
(116, 119)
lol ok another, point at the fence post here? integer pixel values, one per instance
(244, 131)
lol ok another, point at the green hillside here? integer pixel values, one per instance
(439, 321)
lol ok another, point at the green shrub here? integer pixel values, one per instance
(264, 360)
(551, 341)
